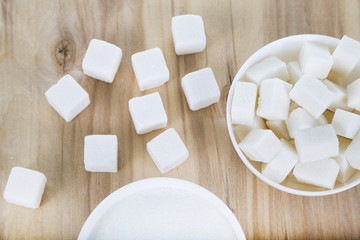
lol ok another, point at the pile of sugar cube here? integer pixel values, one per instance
(302, 116)
(101, 61)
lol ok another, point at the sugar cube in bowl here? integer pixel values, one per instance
(287, 49)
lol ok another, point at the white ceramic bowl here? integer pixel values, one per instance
(286, 49)
(145, 185)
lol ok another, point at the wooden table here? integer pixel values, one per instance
(42, 40)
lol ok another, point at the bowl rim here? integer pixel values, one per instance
(255, 57)
(153, 183)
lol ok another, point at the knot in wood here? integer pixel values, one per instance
(63, 53)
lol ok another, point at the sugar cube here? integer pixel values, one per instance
(346, 171)
(346, 55)
(25, 187)
(340, 98)
(102, 60)
(316, 143)
(282, 164)
(150, 68)
(311, 94)
(101, 153)
(274, 101)
(322, 173)
(243, 103)
(279, 128)
(67, 97)
(167, 150)
(242, 130)
(353, 94)
(270, 67)
(354, 74)
(147, 113)
(352, 153)
(295, 72)
(188, 33)
(299, 119)
(260, 145)
(346, 124)
(315, 59)
(200, 88)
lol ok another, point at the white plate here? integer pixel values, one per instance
(165, 189)
(287, 49)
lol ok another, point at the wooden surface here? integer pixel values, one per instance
(42, 40)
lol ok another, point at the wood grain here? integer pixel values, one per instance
(42, 40)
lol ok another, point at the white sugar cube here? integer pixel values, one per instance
(299, 119)
(188, 33)
(25, 187)
(279, 128)
(147, 113)
(200, 88)
(352, 153)
(243, 103)
(282, 164)
(167, 150)
(67, 97)
(346, 55)
(102, 60)
(295, 72)
(346, 124)
(270, 67)
(354, 74)
(346, 171)
(322, 173)
(274, 101)
(315, 59)
(260, 145)
(316, 143)
(311, 94)
(242, 130)
(101, 153)
(150, 68)
(340, 99)
(353, 94)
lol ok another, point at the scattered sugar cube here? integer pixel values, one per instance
(102, 60)
(340, 99)
(282, 164)
(315, 59)
(346, 171)
(200, 88)
(316, 143)
(299, 119)
(270, 67)
(150, 68)
(295, 72)
(242, 130)
(346, 124)
(353, 94)
(274, 101)
(67, 97)
(311, 94)
(322, 173)
(25, 187)
(352, 153)
(279, 128)
(167, 150)
(188, 33)
(353, 75)
(322, 120)
(147, 113)
(243, 103)
(260, 145)
(346, 55)
(101, 153)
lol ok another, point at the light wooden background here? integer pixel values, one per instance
(33, 56)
